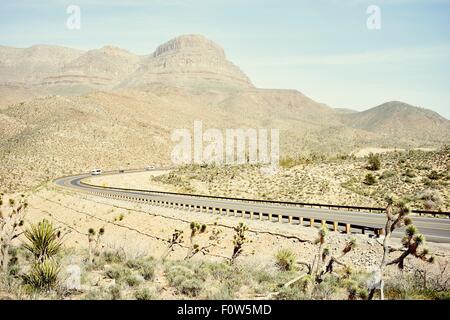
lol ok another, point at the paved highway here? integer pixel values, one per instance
(434, 229)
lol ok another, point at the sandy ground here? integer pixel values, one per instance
(144, 229)
(141, 180)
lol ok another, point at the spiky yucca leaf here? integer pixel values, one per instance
(44, 240)
(43, 275)
(410, 231)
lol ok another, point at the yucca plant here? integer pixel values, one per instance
(44, 240)
(43, 275)
(285, 260)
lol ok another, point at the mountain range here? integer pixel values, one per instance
(64, 110)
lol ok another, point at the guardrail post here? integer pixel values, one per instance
(335, 226)
(300, 221)
(260, 216)
(323, 223)
(251, 215)
(379, 232)
(311, 222)
(280, 218)
(347, 228)
(290, 219)
(270, 217)
(227, 212)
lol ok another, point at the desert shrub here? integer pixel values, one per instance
(387, 174)
(114, 256)
(186, 280)
(147, 271)
(411, 287)
(117, 272)
(44, 240)
(219, 271)
(434, 175)
(132, 280)
(223, 292)
(191, 287)
(431, 199)
(176, 273)
(370, 179)
(144, 294)
(295, 292)
(410, 173)
(285, 259)
(115, 292)
(43, 275)
(374, 162)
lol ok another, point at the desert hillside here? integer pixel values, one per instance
(64, 110)
(401, 120)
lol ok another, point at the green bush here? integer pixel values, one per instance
(374, 162)
(285, 260)
(132, 280)
(117, 272)
(115, 292)
(146, 268)
(43, 275)
(114, 256)
(191, 287)
(144, 294)
(43, 240)
(370, 179)
(147, 271)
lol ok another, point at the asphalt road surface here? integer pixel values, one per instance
(434, 229)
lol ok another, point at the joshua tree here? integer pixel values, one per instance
(323, 262)
(175, 240)
(11, 223)
(194, 248)
(94, 243)
(397, 216)
(238, 241)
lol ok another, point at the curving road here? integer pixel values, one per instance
(434, 229)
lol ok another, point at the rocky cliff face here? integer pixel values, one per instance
(189, 60)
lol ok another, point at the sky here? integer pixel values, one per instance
(323, 48)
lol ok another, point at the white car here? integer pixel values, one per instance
(96, 172)
(149, 167)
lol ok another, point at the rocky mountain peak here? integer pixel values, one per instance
(189, 61)
(190, 43)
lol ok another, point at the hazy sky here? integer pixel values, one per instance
(323, 48)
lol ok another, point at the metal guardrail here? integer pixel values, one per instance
(276, 202)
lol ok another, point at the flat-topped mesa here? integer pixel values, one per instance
(189, 61)
(190, 42)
